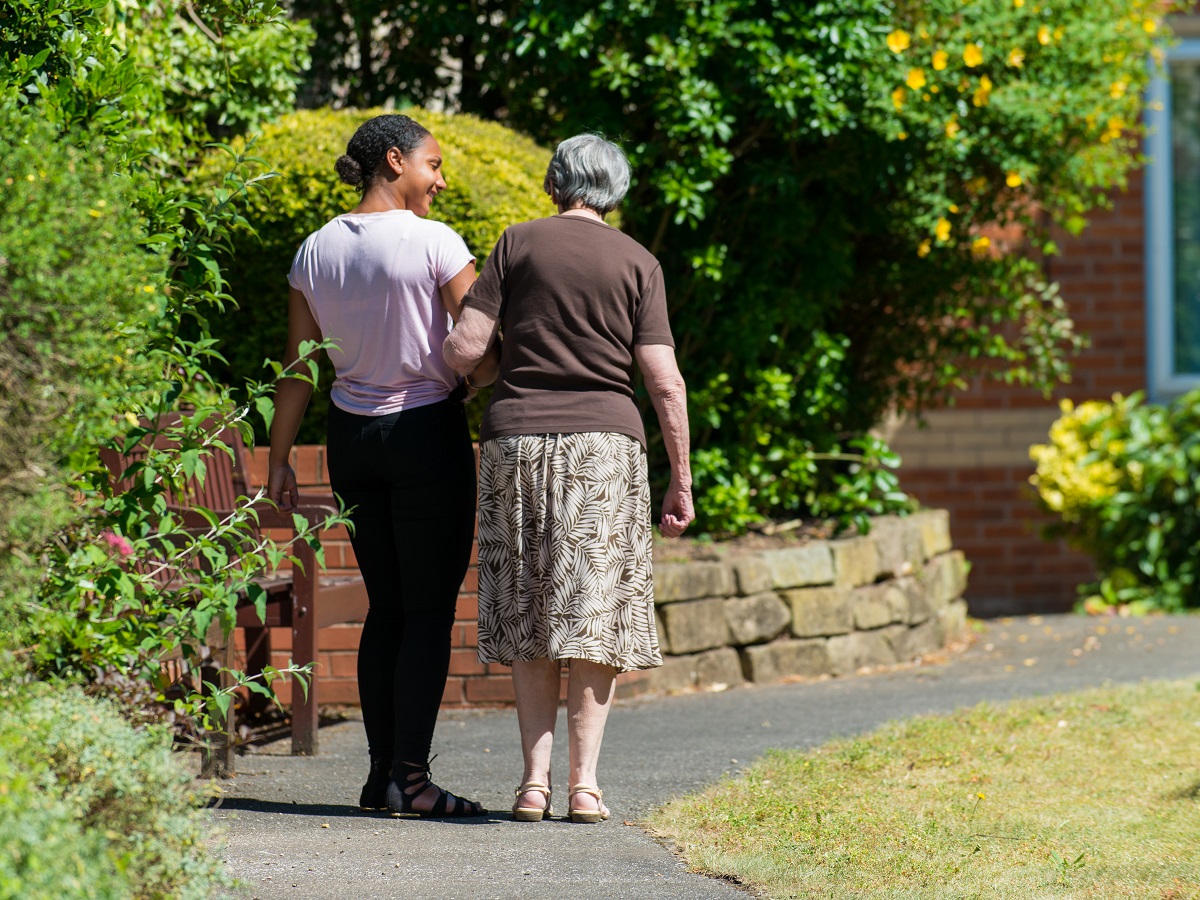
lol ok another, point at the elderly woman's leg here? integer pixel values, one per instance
(536, 684)
(589, 698)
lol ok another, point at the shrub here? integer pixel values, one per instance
(1124, 480)
(494, 179)
(92, 807)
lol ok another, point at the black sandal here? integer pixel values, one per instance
(410, 780)
(374, 792)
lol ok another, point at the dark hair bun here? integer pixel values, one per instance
(349, 170)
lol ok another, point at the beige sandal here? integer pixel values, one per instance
(532, 813)
(587, 816)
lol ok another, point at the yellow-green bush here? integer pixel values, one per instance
(1124, 480)
(493, 176)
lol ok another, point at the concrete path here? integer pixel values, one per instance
(293, 829)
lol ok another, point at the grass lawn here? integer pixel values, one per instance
(1095, 794)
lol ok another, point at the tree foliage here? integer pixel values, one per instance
(849, 197)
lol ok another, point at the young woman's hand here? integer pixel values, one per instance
(282, 488)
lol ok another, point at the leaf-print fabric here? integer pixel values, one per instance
(565, 545)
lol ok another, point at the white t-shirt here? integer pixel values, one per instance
(371, 281)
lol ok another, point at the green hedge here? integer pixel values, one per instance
(494, 179)
(91, 806)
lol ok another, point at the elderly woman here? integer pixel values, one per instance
(564, 505)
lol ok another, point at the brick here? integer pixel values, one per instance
(490, 689)
(820, 611)
(467, 606)
(455, 692)
(690, 581)
(470, 584)
(757, 619)
(855, 561)
(343, 693)
(465, 661)
(695, 625)
(800, 566)
(807, 657)
(343, 664)
(466, 634)
(333, 637)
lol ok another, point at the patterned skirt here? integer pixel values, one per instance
(565, 551)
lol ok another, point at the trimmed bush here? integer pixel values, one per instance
(92, 807)
(493, 176)
(1124, 480)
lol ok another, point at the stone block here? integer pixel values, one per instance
(879, 604)
(800, 566)
(952, 622)
(677, 673)
(820, 611)
(720, 666)
(695, 625)
(855, 561)
(757, 619)
(690, 581)
(898, 542)
(916, 641)
(934, 526)
(782, 659)
(920, 607)
(752, 574)
(850, 652)
(945, 579)
(664, 642)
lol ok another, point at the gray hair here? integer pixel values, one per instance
(587, 170)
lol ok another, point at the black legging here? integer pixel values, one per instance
(410, 477)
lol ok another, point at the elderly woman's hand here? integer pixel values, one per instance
(677, 510)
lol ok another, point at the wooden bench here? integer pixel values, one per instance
(300, 599)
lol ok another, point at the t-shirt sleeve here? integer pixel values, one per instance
(487, 293)
(450, 255)
(650, 325)
(297, 275)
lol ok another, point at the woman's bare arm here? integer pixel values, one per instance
(668, 393)
(291, 399)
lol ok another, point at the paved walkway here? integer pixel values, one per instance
(293, 829)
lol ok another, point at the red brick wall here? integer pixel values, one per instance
(470, 683)
(993, 516)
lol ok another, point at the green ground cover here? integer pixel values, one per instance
(1094, 794)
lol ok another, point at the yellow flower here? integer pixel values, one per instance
(953, 207)
(1059, 32)
(148, 288)
(984, 93)
(979, 247)
(1013, 180)
(942, 230)
(981, 796)
(923, 248)
(1018, 3)
(1113, 130)
(1043, 35)
(131, 418)
(898, 98)
(898, 41)
(973, 55)
(1116, 90)
(902, 136)
(952, 128)
(1016, 57)
(915, 79)
(1150, 25)
(940, 60)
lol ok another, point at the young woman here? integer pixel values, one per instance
(383, 282)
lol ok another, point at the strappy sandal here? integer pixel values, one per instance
(374, 792)
(409, 781)
(587, 816)
(532, 813)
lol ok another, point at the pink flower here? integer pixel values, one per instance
(117, 542)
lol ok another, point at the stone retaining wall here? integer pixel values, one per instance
(827, 607)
